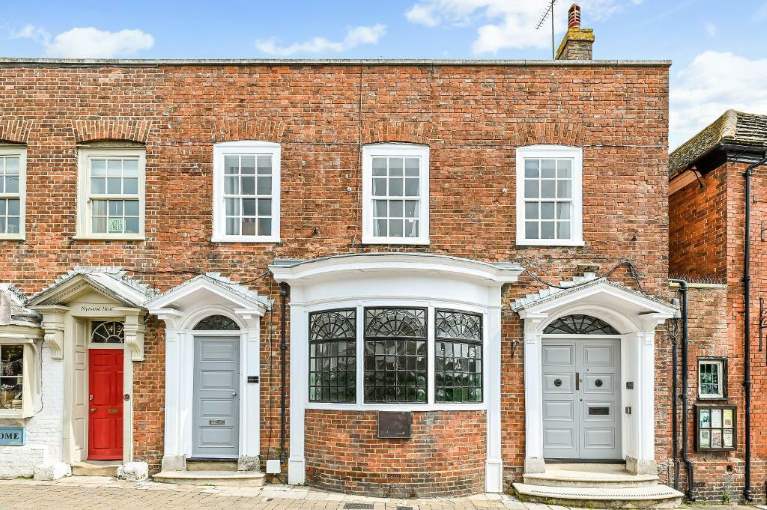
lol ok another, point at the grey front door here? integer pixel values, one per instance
(216, 397)
(581, 399)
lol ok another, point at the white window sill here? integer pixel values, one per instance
(395, 240)
(12, 415)
(100, 237)
(245, 239)
(550, 242)
(12, 237)
(437, 406)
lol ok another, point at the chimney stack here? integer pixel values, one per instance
(578, 42)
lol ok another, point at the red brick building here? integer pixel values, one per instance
(707, 218)
(461, 267)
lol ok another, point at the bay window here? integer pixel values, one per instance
(394, 356)
(11, 377)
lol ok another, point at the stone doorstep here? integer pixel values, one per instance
(220, 478)
(96, 468)
(589, 475)
(210, 465)
(651, 496)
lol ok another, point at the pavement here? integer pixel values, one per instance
(95, 492)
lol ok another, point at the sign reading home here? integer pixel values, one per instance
(11, 436)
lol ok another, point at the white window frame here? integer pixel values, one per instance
(31, 402)
(22, 194)
(84, 221)
(219, 208)
(389, 150)
(542, 152)
(720, 363)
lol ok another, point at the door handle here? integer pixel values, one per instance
(93, 409)
(577, 381)
(234, 393)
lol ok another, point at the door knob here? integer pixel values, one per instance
(93, 409)
(234, 393)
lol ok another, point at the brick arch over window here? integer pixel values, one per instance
(535, 133)
(233, 129)
(134, 130)
(398, 131)
(15, 131)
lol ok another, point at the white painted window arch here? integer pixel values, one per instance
(549, 204)
(246, 191)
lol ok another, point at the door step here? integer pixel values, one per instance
(650, 496)
(589, 475)
(211, 465)
(96, 468)
(221, 478)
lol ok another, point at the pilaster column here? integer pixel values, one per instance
(534, 462)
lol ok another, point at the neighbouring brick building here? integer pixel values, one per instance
(462, 267)
(707, 211)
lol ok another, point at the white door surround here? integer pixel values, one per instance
(68, 307)
(395, 279)
(636, 317)
(181, 308)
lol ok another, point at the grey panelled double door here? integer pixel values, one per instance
(581, 399)
(216, 397)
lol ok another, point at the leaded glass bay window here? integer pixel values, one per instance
(395, 355)
(11, 376)
(458, 356)
(332, 356)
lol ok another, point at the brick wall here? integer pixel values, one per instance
(444, 456)
(698, 228)
(472, 117)
(706, 240)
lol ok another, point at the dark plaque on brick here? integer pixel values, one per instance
(394, 425)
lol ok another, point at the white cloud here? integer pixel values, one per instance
(712, 83)
(88, 42)
(711, 29)
(355, 36)
(505, 24)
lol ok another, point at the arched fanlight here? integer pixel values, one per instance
(216, 323)
(578, 324)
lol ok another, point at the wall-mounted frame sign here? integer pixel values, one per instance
(11, 436)
(715, 428)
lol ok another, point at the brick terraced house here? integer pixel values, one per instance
(386, 277)
(709, 208)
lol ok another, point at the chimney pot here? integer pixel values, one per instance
(574, 16)
(577, 42)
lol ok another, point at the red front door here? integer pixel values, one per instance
(105, 386)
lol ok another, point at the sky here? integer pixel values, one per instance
(718, 47)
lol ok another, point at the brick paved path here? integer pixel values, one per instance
(106, 493)
(95, 493)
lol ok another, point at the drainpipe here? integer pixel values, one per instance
(284, 291)
(685, 390)
(674, 412)
(747, 326)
